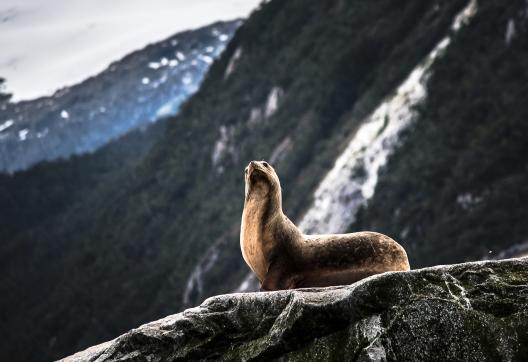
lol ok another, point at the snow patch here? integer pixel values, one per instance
(170, 108)
(405, 232)
(180, 56)
(187, 79)
(145, 80)
(232, 62)
(64, 114)
(224, 146)
(254, 116)
(281, 151)
(510, 32)
(272, 104)
(43, 133)
(249, 284)
(207, 59)
(352, 180)
(194, 286)
(154, 65)
(22, 135)
(467, 200)
(165, 110)
(6, 125)
(465, 16)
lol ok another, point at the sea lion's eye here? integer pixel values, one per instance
(265, 164)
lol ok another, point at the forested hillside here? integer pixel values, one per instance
(457, 187)
(90, 253)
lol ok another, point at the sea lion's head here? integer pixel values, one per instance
(261, 180)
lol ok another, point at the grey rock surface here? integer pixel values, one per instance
(466, 312)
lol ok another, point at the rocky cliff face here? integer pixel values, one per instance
(465, 312)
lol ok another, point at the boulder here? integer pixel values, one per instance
(467, 312)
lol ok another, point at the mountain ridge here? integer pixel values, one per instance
(143, 86)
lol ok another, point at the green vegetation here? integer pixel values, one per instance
(98, 244)
(457, 186)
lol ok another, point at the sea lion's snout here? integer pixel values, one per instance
(260, 168)
(260, 174)
(258, 164)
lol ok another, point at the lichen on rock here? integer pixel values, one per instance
(466, 312)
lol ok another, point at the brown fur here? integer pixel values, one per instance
(284, 258)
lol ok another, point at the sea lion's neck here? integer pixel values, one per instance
(258, 221)
(258, 214)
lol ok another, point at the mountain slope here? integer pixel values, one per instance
(456, 188)
(164, 231)
(122, 255)
(140, 88)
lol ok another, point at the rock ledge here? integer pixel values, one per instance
(465, 312)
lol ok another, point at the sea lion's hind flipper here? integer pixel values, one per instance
(274, 278)
(298, 281)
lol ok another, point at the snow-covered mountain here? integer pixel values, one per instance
(48, 45)
(138, 89)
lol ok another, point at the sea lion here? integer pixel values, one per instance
(283, 257)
